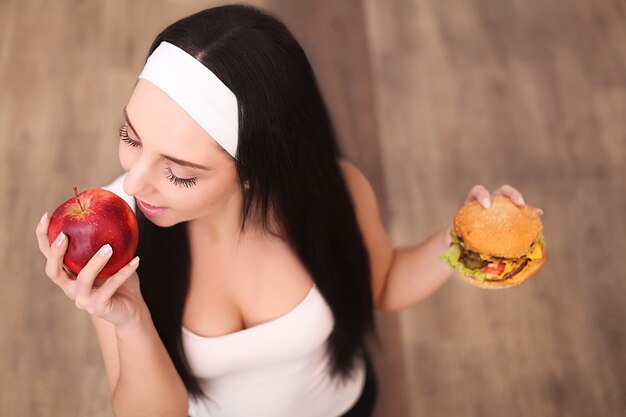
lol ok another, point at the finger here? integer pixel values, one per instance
(480, 193)
(104, 293)
(41, 231)
(55, 270)
(538, 211)
(508, 191)
(54, 265)
(87, 276)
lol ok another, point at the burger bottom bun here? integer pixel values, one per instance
(530, 270)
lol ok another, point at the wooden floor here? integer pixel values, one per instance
(430, 97)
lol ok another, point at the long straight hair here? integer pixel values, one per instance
(287, 157)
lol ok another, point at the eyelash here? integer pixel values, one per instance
(179, 182)
(123, 134)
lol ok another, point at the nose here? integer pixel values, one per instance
(138, 178)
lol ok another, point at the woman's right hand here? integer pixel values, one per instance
(116, 299)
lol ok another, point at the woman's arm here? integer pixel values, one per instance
(148, 383)
(416, 272)
(142, 377)
(402, 277)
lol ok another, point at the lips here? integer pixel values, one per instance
(148, 208)
(149, 205)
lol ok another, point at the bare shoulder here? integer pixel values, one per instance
(360, 189)
(371, 226)
(347, 167)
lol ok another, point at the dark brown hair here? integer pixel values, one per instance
(288, 155)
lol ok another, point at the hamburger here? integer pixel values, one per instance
(496, 247)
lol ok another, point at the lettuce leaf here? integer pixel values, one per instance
(452, 255)
(455, 238)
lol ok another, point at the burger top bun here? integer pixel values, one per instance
(503, 230)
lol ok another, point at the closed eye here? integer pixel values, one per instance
(180, 182)
(177, 181)
(123, 134)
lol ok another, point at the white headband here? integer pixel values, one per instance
(197, 90)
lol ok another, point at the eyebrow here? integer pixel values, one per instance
(169, 158)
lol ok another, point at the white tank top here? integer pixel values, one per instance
(279, 368)
(276, 369)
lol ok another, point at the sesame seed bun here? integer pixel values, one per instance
(503, 230)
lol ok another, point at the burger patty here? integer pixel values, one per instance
(512, 273)
(472, 259)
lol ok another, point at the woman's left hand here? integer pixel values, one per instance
(480, 193)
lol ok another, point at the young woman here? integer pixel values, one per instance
(262, 251)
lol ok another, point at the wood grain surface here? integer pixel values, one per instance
(531, 94)
(429, 98)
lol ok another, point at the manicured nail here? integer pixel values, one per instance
(43, 218)
(135, 261)
(60, 239)
(105, 251)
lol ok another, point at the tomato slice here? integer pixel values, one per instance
(497, 270)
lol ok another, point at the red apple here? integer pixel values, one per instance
(90, 220)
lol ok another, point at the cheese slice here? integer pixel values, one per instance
(535, 253)
(507, 268)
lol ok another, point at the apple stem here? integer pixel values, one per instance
(78, 199)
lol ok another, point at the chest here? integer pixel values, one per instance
(276, 350)
(233, 291)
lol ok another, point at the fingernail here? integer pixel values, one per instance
(60, 239)
(487, 202)
(135, 261)
(105, 251)
(43, 218)
(520, 200)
